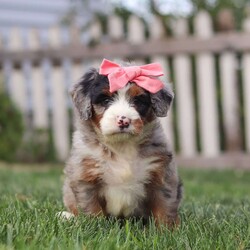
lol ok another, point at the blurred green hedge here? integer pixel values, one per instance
(11, 128)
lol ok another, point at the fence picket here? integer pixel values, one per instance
(18, 89)
(95, 30)
(230, 100)
(158, 33)
(7, 70)
(156, 28)
(184, 95)
(74, 34)
(136, 34)
(60, 123)
(33, 39)
(115, 28)
(27, 75)
(40, 114)
(246, 87)
(208, 115)
(16, 82)
(166, 122)
(15, 39)
(54, 36)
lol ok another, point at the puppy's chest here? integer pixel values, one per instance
(126, 170)
(124, 180)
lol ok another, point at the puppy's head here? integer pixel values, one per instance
(119, 115)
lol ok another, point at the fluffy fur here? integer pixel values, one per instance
(120, 164)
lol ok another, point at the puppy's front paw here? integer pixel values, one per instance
(65, 215)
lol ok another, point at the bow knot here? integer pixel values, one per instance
(133, 72)
(144, 76)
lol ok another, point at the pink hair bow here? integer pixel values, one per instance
(144, 76)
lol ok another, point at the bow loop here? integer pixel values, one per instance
(144, 76)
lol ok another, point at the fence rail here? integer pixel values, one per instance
(209, 71)
(233, 41)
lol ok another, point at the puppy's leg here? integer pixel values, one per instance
(69, 198)
(79, 196)
(163, 212)
(88, 199)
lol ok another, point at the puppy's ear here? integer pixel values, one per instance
(80, 94)
(161, 101)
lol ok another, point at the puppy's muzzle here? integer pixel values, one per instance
(122, 121)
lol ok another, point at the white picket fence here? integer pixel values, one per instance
(208, 117)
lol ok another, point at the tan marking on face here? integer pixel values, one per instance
(96, 119)
(135, 90)
(138, 125)
(90, 170)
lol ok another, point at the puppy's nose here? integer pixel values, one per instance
(122, 121)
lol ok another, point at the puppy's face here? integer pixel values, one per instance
(119, 115)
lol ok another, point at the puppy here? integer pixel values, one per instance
(120, 163)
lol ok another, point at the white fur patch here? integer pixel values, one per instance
(120, 107)
(65, 215)
(123, 199)
(125, 178)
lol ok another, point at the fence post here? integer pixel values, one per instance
(39, 99)
(205, 66)
(60, 115)
(115, 28)
(33, 39)
(136, 30)
(54, 36)
(60, 123)
(95, 31)
(246, 86)
(136, 34)
(74, 34)
(156, 31)
(35, 81)
(184, 95)
(40, 114)
(230, 100)
(17, 85)
(96, 35)
(156, 28)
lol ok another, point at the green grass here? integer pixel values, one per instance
(215, 215)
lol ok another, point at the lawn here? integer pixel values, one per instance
(215, 214)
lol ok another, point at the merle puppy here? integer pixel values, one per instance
(120, 163)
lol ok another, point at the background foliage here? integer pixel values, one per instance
(11, 128)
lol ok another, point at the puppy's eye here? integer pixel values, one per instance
(105, 102)
(102, 100)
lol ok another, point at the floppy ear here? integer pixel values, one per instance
(161, 101)
(80, 94)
